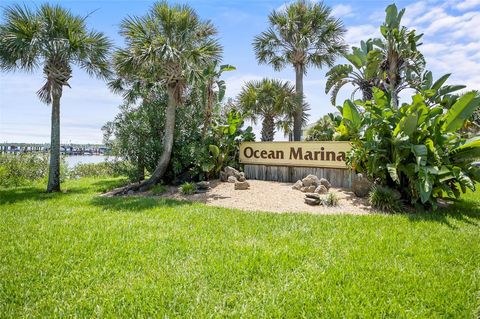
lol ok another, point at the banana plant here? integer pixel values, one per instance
(362, 72)
(213, 89)
(415, 149)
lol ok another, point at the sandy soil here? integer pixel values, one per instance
(271, 197)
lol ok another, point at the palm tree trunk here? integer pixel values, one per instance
(297, 117)
(168, 138)
(268, 128)
(54, 171)
(208, 109)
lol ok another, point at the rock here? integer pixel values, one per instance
(223, 177)
(312, 195)
(130, 192)
(309, 189)
(298, 185)
(321, 189)
(241, 177)
(232, 179)
(204, 185)
(361, 186)
(312, 201)
(311, 180)
(241, 185)
(326, 183)
(230, 171)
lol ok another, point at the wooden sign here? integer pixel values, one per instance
(304, 154)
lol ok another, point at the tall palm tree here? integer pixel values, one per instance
(169, 47)
(304, 35)
(54, 38)
(267, 99)
(362, 72)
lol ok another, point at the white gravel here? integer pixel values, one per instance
(272, 197)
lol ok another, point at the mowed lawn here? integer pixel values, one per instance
(80, 255)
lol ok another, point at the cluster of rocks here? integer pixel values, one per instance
(231, 175)
(312, 184)
(313, 187)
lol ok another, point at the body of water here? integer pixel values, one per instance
(85, 159)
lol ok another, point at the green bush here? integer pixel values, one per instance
(104, 169)
(188, 188)
(385, 199)
(416, 149)
(24, 169)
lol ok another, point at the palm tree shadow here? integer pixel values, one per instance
(20, 194)
(136, 203)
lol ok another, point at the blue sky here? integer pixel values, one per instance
(451, 45)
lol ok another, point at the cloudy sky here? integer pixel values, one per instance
(451, 44)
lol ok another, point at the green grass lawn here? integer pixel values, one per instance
(80, 255)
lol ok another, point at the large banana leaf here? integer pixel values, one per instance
(461, 111)
(467, 153)
(350, 113)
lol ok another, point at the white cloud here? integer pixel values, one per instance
(355, 34)
(342, 10)
(467, 4)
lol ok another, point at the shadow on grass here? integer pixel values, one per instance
(20, 194)
(464, 210)
(133, 203)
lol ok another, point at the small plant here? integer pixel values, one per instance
(385, 199)
(330, 200)
(188, 188)
(159, 189)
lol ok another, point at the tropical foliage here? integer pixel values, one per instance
(55, 39)
(270, 100)
(302, 35)
(167, 49)
(415, 149)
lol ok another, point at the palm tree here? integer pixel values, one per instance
(54, 38)
(169, 47)
(269, 100)
(303, 35)
(362, 72)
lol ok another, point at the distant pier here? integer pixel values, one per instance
(70, 149)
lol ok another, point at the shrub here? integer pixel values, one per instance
(24, 169)
(107, 168)
(188, 188)
(385, 199)
(416, 149)
(330, 200)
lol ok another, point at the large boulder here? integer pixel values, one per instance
(232, 179)
(311, 180)
(230, 171)
(203, 185)
(321, 189)
(241, 185)
(326, 183)
(298, 185)
(361, 186)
